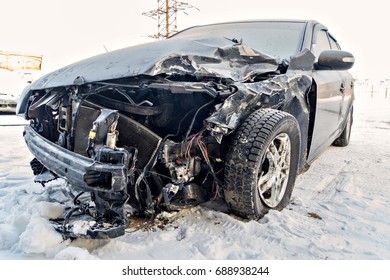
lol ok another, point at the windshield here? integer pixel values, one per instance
(280, 39)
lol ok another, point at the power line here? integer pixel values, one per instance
(166, 16)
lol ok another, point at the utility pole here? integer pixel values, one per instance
(166, 16)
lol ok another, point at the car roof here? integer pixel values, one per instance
(311, 22)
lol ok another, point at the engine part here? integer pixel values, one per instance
(178, 197)
(112, 138)
(103, 131)
(182, 169)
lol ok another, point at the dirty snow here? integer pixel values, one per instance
(339, 209)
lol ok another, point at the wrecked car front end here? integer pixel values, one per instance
(152, 133)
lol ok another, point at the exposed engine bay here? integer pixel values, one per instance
(165, 158)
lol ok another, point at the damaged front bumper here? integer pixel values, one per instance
(74, 168)
(77, 170)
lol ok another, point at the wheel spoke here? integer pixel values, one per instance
(267, 185)
(273, 154)
(274, 195)
(263, 180)
(272, 185)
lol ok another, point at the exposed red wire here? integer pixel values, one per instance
(203, 149)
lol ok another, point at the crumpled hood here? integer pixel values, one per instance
(207, 57)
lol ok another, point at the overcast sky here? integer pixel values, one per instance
(65, 31)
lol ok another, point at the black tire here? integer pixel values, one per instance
(249, 163)
(343, 139)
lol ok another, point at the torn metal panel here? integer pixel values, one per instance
(277, 92)
(234, 62)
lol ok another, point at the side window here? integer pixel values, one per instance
(333, 43)
(321, 43)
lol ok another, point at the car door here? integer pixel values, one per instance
(346, 88)
(330, 88)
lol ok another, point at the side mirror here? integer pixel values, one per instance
(334, 60)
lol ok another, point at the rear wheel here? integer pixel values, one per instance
(345, 136)
(262, 163)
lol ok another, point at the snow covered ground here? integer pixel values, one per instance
(339, 209)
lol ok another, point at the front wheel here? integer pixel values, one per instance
(262, 163)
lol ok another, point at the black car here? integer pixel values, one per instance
(232, 111)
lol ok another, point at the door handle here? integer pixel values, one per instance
(342, 88)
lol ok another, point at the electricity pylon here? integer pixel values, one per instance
(166, 16)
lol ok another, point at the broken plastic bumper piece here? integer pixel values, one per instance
(80, 171)
(86, 227)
